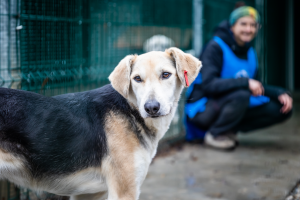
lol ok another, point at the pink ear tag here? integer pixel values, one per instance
(186, 78)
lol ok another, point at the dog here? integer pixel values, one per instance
(87, 144)
(158, 43)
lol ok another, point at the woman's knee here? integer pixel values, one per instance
(245, 95)
(274, 111)
(236, 101)
(240, 98)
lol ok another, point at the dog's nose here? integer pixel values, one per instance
(152, 107)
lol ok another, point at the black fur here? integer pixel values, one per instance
(61, 134)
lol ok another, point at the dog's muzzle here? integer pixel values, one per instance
(152, 107)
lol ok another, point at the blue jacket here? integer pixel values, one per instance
(214, 81)
(233, 67)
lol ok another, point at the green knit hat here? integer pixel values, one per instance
(242, 12)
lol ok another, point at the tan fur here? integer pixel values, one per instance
(122, 144)
(13, 168)
(6, 157)
(185, 62)
(124, 169)
(9, 159)
(120, 78)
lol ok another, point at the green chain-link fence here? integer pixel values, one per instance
(8, 191)
(59, 46)
(73, 45)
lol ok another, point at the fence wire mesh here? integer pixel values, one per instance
(73, 45)
(53, 47)
(59, 46)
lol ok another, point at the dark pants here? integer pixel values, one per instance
(231, 113)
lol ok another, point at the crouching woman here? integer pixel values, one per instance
(227, 97)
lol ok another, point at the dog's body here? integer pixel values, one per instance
(87, 143)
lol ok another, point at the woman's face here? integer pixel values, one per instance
(244, 30)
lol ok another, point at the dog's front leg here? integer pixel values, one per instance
(124, 181)
(122, 187)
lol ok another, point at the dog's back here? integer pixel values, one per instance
(57, 135)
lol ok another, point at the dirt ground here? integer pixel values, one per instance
(266, 165)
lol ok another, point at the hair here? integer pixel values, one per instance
(241, 10)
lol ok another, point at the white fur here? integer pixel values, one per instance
(12, 168)
(141, 163)
(86, 181)
(89, 183)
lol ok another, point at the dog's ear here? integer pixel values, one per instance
(185, 63)
(120, 77)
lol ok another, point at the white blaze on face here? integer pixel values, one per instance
(153, 87)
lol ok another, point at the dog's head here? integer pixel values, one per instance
(153, 81)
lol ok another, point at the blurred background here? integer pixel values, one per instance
(53, 47)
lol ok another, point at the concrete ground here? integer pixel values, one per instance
(266, 165)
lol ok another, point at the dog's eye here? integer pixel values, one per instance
(166, 75)
(137, 79)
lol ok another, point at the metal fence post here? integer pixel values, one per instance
(197, 26)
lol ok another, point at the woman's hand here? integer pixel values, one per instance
(286, 101)
(256, 87)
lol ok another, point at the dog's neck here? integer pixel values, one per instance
(161, 126)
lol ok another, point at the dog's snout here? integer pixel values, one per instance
(152, 107)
